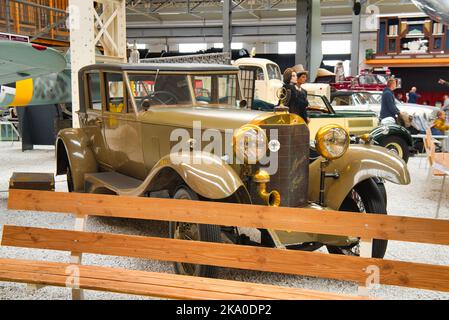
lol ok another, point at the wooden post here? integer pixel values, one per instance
(366, 248)
(76, 257)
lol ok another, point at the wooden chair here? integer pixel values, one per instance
(439, 166)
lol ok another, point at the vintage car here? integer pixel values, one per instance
(371, 100)
(144, 133)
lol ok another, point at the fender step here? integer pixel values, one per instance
(114, 181)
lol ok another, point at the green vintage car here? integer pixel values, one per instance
(146, 130)
(395, 138)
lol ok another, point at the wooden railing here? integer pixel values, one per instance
(44, 21)
(315, 264)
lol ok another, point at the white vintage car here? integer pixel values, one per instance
(370, 101)
(268, 78)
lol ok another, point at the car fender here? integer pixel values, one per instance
(359, 163)
(383, 132)
(206, 174)
(72, 149)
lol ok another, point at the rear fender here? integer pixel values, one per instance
(72, 149)
(360, 163)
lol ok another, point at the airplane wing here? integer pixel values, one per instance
(19, 61)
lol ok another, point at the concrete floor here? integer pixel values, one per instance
(417, 200)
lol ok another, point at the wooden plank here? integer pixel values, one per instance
(313, 264)
(367, 226)
(151, 283)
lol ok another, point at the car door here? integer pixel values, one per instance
(94, 122)
(122, 130)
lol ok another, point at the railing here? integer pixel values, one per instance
(43, 20)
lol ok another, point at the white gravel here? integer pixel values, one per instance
(417, 200)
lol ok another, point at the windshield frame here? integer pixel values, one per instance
(325, 101)
(278, 71)
(189, 75)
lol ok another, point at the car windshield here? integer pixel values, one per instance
(274, 73)
(317, 105)
(371, 79)
(221, 89)
(183, 89)
(363, 98)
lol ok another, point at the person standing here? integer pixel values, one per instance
(413, 96)
(301, 78)
(389, 112)
(295, 103)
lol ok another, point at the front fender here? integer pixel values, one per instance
(205, 173)
(360, 163)
(383, 132)
(72, 149)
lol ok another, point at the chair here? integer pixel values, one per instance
(439, 165)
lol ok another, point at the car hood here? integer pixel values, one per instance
(220, 118)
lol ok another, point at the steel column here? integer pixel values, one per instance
(303, 29)
(227, 25)
(355, 45)
(82, 47)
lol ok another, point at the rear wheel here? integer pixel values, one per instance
(397, 146)
(70, 186)
(364, 198)
(195, 232)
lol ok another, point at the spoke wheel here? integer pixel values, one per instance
(364, 198)
(193, 232)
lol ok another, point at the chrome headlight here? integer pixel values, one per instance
(332, 142)
(250, 144)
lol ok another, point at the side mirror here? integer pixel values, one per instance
(145, 104)
(243, 104)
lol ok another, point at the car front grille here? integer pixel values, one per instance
(292, 177)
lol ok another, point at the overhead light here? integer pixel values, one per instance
(170, 13)
(287, 9)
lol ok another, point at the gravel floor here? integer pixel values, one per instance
(417, 200)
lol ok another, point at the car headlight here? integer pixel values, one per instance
(250, 144)
(332, 142)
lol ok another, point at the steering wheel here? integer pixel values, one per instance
(171, 97)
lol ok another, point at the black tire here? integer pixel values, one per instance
(70, 186)
(206, 233)
(373, 202)
(398, 146)
(381, 185)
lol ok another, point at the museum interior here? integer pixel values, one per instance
(224, 150)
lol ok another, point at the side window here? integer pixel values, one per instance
(115, 94)
(260, 75)
(94, 91)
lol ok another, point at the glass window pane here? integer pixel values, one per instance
(94, 91)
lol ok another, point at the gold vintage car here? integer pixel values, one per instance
(184, 131)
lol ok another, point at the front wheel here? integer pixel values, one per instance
(364, 198)
(398, 146)
(195, 232)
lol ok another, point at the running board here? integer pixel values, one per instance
(113, 181)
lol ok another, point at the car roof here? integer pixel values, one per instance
(184, 67)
